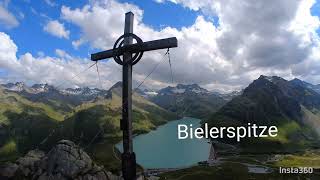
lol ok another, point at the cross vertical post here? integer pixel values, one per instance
(131, 55)
(128, 156)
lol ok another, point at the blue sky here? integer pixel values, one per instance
(30, 37)
(229, 54)
(316, 11)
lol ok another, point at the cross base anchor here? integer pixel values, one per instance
(129, 165)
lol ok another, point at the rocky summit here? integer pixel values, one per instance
(188, 100)
(64, 161)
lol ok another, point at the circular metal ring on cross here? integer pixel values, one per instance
(136, 57)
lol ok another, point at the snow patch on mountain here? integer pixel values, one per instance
(45, 88)
(82, 91)
(178, 91)
(182, 89)
(18, 86)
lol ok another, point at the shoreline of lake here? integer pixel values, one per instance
(182, 153)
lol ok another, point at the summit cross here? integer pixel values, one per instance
(131, 54)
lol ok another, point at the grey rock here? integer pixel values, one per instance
(44, 176)
(30, 158)
(68, 159)
(64, 161)
(8, 170)
(27, 163)
(113, 177)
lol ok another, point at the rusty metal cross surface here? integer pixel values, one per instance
(131, 54)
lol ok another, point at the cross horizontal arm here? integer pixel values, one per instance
(135, 48)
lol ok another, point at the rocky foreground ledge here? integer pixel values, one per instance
(65, 161)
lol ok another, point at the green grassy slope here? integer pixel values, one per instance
(23, 124)
(95, 126)
(232, 171)
(190, 105)
(274, 102)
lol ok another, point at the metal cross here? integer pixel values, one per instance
(131, 54)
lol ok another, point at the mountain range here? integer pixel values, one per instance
(293, 106)
(41, 88)
(184, 100)
(189, 100)
(61, 100)
(40, 115)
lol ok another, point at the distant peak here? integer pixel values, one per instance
(184, 88)
(262, 77)
(18, 86)
(187, 85)
(40, 85)
(271, 78)
(22, 83)
(266, 77)
(299, 82)
(296, 80)
(117, 85)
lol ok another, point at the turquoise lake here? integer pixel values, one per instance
(161, 148)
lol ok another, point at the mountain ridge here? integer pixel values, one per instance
(291, 106)
(188, 100)
(28, 122)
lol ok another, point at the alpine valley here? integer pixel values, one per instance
(292, 106)
(39, 116)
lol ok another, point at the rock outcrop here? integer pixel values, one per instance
(65, 161)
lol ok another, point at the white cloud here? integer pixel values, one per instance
(266, 37)
(21, 15)
(40, 54)
(159, 1)
(78, 43)
(208, 7)
(52, 70)
(8, 51)
(102, 22)
(57, 29)
(7, 19)
(62, 54)
(304, 24)
(50, 3)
